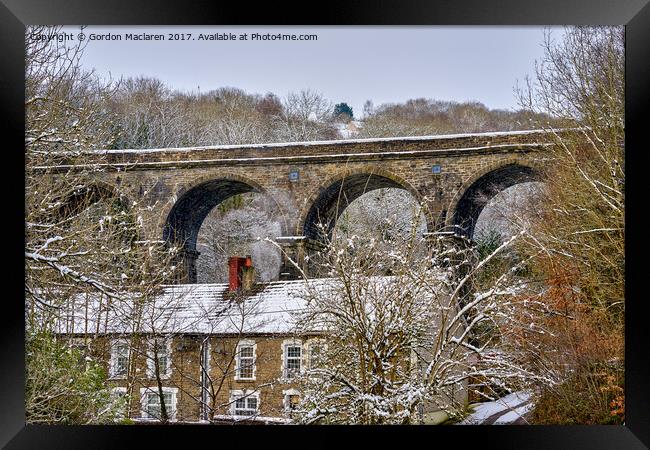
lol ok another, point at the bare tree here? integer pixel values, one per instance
(82, 238)
(385, 215)
(579, 236)
(406, 332)
(418, 117)
(238, 227)
(306, 116)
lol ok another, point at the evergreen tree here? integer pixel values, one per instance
(343, 109)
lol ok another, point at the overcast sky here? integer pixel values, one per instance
(345, 64)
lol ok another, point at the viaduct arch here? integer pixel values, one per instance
(481, 188)
(453, 175)
(192, 206)
(326, 205)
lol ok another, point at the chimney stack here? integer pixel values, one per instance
(234, 273)
(241, 274)
(248, 274)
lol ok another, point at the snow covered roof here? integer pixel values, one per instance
(269, 308)
(193, 308)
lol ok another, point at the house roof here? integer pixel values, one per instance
(191, 308)
(269, 308)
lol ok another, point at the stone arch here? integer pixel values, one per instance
(84, 196)
(193, 203)
(471, 198)
(91, 193)
(329, 201)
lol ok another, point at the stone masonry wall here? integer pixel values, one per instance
(185, 373)
(159, 178)
(156, 179)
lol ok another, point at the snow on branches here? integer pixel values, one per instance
(408, 330)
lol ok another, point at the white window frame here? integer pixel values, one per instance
(314, 343)
(151, 368)
(245, 343)
(292, 343)
(144, 402)
(115, 343)
(238, 394)
(120, 391)
(286, 402)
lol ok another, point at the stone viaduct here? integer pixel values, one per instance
(173, 189)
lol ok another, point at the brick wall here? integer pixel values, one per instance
(185, 375)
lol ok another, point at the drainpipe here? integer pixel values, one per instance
(205, 366)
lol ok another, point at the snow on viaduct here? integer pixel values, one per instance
(173, 189)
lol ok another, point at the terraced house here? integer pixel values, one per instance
(214, 353)
(202, 352)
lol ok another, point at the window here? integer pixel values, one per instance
(245, 361)
(291, 399)
(161, 354)
(151, 407)
(119, 395)
(119, 359)
(314, 355)
(245, 404)
(154, 408)
(292, 360)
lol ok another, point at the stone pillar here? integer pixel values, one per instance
(292, 248)
(188, 258)
(459, 254)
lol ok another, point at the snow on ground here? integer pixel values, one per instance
(515, 414)
(350, 129)
(505, 410)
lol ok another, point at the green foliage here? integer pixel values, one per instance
(488, 241)
(343, 109)
(64, 386)
(231, 203)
